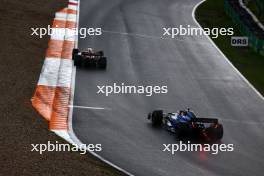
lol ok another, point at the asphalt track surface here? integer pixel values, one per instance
(196, 74)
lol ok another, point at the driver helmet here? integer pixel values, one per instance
(89, 50)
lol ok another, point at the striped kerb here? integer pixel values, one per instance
(52, 95)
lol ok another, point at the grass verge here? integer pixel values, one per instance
(211, 14)
(252, 5)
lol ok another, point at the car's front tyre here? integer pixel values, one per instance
(156, 118)
(77, 60)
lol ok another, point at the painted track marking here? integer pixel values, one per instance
(89, 107)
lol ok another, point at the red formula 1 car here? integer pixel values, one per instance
(89, 58)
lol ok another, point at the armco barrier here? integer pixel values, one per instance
(52, 95)
(247, 24)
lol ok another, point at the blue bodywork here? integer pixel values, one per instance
(176, 118)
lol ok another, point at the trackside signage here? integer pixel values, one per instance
(239, 41)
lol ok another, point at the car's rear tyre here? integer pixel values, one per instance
(156, 117)
(215, 132)
(102, 63)
(77, 60)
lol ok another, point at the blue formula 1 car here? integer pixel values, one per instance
(185, 124)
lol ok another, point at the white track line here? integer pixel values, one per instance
(242, 4)
(250, 85)
(152, 37)
(89, 107)
(139, 35)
